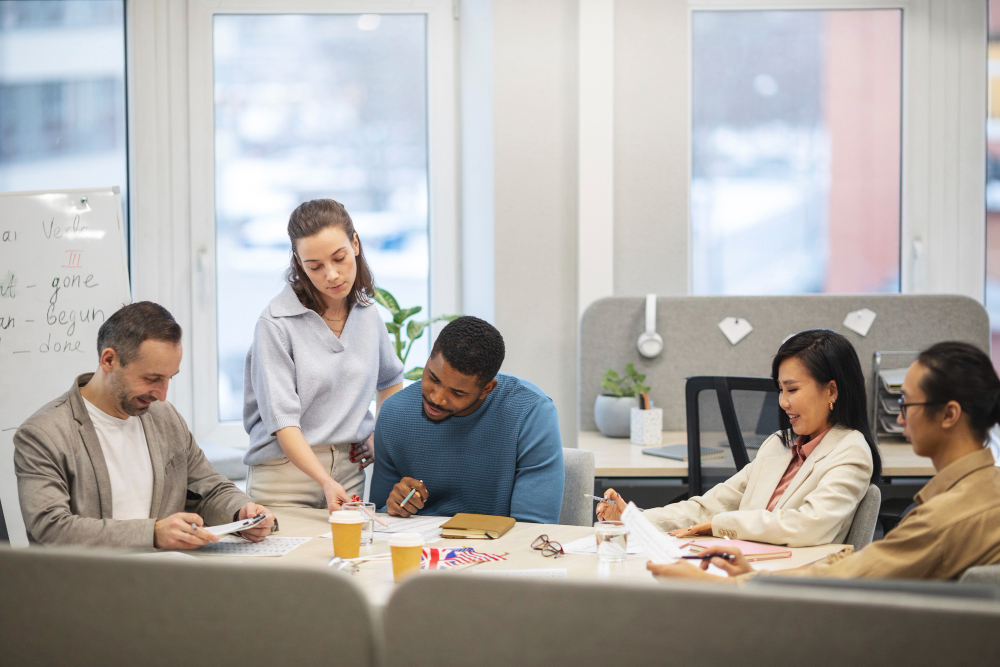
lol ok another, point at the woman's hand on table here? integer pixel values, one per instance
(335, 495)
(611, 511)
(736, 565)
(363, 453)
(703, 528)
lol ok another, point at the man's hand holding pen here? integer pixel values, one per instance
(407, 497)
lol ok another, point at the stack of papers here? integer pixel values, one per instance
(892, 379)
(429, 527)
(237, 546)
(587, 546)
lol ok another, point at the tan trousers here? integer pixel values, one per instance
(279, 483)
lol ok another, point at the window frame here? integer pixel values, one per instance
(444, 265)
(943, 137)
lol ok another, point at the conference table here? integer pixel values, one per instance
(376, 580)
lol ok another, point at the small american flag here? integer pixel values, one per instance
(440, 559)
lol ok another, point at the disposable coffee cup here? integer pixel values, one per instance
(406, 549)
(345, 526)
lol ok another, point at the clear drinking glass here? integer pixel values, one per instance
(612, 540)
(368, 524)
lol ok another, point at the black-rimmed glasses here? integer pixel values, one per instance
(903, 406)
(547, 547)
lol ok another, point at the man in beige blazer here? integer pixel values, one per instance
(111, 463)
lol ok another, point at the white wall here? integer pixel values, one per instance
(651, 160)
(534, 74)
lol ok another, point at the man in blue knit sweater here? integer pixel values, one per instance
(469, 438)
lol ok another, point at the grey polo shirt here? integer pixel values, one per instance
(299, 374)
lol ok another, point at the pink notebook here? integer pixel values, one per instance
(752, 550)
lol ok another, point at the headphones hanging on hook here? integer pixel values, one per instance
(650, 343)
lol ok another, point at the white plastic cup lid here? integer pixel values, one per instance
(406, 540)
(346, 516)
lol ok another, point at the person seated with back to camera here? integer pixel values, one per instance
(807, 480)
(951, 399)
(468, 438)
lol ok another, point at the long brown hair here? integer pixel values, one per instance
(309, 219)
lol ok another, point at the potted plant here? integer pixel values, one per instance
(414, 328)
(613, 407)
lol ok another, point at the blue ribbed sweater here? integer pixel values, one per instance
(503, 459)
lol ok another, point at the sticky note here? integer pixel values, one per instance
(735, 328)
(860, 321)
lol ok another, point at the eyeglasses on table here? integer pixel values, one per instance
(547, 547)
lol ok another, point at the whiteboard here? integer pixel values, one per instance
(63, 271)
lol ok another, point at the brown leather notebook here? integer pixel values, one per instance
(476, 526)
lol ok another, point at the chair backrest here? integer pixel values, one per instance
(4, 537)
(732, 416)
(982, 574)
(577, 510)
(93, 608)
(456, 619)
(947, 589)
(863, 527)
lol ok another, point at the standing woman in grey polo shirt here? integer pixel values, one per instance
(320, 350)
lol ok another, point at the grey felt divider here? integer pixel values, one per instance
(694, 345)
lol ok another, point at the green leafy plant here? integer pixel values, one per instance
(628, 385)
(414, 328)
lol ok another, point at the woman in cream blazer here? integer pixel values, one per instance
(813, 499)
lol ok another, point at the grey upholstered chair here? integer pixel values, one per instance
(863, 527)
(72, 607)
(982, 574)
(576, 509)
(467, 619)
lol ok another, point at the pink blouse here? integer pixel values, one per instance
(800, 451)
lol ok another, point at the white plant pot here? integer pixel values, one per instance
(613, 415)
(647, 426)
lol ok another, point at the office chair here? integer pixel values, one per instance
(732, 414)
(971, 590)
(4, 537)
(577, 509)
(863, 527)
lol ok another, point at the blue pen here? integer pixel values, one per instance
(408, 496)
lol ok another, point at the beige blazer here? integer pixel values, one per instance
(817, 507)
(65, 489)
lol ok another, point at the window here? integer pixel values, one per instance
(62, 95)
(795, 151)
(309, 107)
(993, 181)
(305, 99)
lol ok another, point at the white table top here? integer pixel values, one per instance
(376, 580)
(618, 457)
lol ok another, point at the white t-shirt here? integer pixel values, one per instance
(126, 453)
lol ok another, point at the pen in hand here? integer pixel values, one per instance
(599, 499)
(407, 498)
(709, 557)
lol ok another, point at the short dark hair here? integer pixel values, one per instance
(472, 347)
(827, 356)
(309, 219)
(963, 373)
(130, 326)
